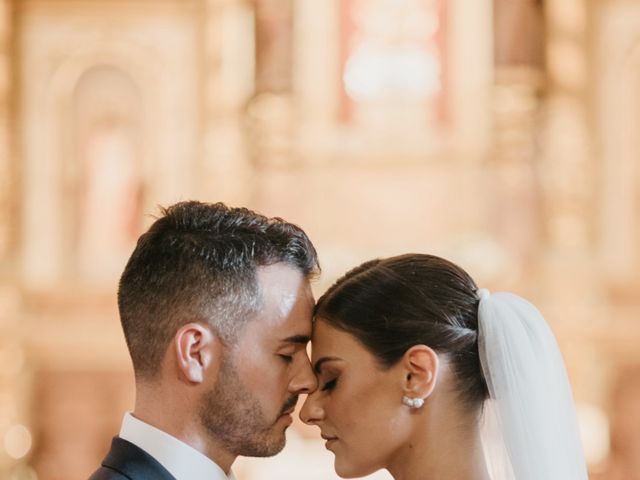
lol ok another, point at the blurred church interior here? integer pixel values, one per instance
(503, 134)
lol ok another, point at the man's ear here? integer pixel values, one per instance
(198, 351)
(420, 365)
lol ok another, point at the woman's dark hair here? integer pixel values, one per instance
(392, 304)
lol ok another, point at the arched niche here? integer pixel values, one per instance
(91, 102)
(64, 55)
(102, 174)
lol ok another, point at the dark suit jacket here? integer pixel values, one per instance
(125, 461)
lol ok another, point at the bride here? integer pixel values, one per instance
(425, 375)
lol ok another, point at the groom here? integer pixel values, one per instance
(216, 307)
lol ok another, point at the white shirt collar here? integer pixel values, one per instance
(181, 460)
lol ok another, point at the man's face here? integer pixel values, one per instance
(250, 406)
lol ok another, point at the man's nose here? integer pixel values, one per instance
(304, 381)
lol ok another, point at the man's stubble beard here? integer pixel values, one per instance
(234, 418)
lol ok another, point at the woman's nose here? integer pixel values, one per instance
(311, 411)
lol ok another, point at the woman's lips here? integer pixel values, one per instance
(329, 440)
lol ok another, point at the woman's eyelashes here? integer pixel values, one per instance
(330, 385)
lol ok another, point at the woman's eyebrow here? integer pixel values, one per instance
(319, 362)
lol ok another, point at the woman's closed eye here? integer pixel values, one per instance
(330, 385)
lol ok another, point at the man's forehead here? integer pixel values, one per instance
(283, 285)
(287, 301)
(280, 276)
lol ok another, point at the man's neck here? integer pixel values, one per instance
(182, 424)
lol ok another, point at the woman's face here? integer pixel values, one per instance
(357, 406)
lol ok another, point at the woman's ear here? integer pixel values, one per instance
(198, 352)
(420, 364)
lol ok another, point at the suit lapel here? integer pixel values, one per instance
(133, 462)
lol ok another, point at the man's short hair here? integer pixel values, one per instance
(198, 262)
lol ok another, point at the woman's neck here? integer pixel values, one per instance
(443, 446)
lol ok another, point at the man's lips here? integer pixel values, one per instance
(328, 438)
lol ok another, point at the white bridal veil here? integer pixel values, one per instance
(530, 430)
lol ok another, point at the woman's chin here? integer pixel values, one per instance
(347, 469)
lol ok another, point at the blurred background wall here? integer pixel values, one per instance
(503, 134)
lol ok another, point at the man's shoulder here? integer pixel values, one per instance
(106, 473)
(126, 461)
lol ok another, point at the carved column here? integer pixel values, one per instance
(228, 73)
(618, 107)
(516, 110)
(570, 283)
(270, 112)
(616, 91)
(14, 374)
(566, 167)
(8, 164)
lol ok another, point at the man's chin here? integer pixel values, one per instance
(269, 445)
(265, 450)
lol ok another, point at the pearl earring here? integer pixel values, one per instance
(413, 402)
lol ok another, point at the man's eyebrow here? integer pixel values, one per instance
(301, 339)
(320, 361)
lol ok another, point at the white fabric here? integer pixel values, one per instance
(181, 460)
(530, 430)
